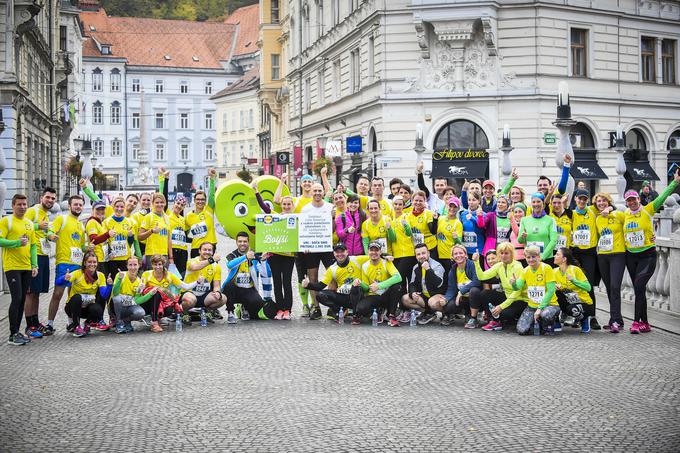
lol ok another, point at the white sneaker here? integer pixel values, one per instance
(231, 318)
(165, 321)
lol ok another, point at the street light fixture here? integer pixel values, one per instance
(244, 161)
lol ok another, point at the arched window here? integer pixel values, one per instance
(586, 167)
(581, 138)
(673, 147)
(460, 152)
(638, 168)
(461, 135)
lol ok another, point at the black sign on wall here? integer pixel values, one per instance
(283, 158)
(461, 164)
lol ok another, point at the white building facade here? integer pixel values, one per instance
(370, 71)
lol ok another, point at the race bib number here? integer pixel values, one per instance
(200, 230)
(179, 239)
(636, 239)
(87, 299)
(418, 238)
(76, 255)
(118, 249)
(45, 245)
(105, 249)
(469, 239)
(581, 238)
(539, 244)
(606, 243)
(502, 235)
(202, 288)
(243, 280)
(571, 297)
(561, 241)
(345, 289)
(127, 301)
(536, 293)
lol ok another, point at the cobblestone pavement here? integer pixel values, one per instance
(309, 386)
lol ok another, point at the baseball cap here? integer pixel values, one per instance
(581, 193)
(180, 199)
(454, 200)
(98, 204)
(339, 246)
(375, 245)
(307, 178)
(488, 182)
(631, 194)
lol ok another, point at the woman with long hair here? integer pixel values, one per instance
(572, 286)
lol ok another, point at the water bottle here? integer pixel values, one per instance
(178, 323)
(374, 318)
(412, 321)
(491, 307)
(204, 318)
(537, 328)
(341, 316)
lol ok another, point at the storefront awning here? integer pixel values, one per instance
(587, 170)
(641, 171)
(461, 168)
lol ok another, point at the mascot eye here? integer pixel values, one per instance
(270, 204)
(240, 210)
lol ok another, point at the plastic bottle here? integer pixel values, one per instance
(491, 307)
(178, 323)
(374, 318)
(537, 328)
(204, 318)
(341, 316)
(412, 321)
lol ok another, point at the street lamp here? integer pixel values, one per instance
(564, 123)
(77, 146)
(506, 149)
(244, 161)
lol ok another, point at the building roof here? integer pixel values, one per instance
(248, 20)
(248, 81)
(159, 42)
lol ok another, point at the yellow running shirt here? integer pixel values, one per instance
(536, 281)
(149, 280)
(37, 214)
(403, 246)
(420, 233)
(446, 228)
(119, 248)
(583, 229)
(201, 227)
(101, 250)
(610, 231)
(71, 239)
(80, 286)
(345, 276)
(638, 229)
(12, 229)
(211, 273)
(564, 284)
(157, 243)
(377, 273)
(378, 233)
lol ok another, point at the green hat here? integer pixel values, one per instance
(645, 183)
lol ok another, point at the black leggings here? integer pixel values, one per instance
(578, 310)
(612, 266)
(19, 282)
(151, 306)
(641, 267)
(282, 275)
(588, 260)
(92, 312)
(334, 300)
(251, 301)
(179, 256)
(388, 300)
(485, 297)
(405, 267)
(468, 301)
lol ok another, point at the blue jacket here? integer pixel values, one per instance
(452, 291)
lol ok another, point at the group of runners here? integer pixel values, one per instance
(495, 258)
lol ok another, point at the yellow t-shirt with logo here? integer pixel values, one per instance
(138, 217)
(385, 205)
(420, 233)
(377, 273)
(583, 229)
(211, 273)
(201, 227)
(638, 229)
(12, 229)
(178, 226)
(150, 280)
(377, 232)
(446, 228)
(129, 288)
(37, 214)
(119, 248)
(563, 224)
(80, 286)
(71, 239)
(157, 243)
(461, 277)
(101, 250)
(610, 232)
(345, 275)
(577, 274)
(300, 202)
(403, 246)
(536, 281)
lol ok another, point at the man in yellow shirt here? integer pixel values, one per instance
(19, 261)
(207, 293)
(38, 214)
(201, 221)
(69, 234)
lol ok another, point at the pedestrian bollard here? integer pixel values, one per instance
(178, 323)
(204, 318)
(341, 316)
(374, 318)
(412, 321)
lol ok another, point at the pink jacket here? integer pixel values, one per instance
(351, 240)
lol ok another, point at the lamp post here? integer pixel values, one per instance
(244, 161)
(87, 170)
(564, 123)
(505, 149)
(620, 148)
(420, 147)
(3, 165)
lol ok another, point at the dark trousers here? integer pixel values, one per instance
(92, 312)
(405, 267)
(641, 267)
(387, 300)
(180, 257)
(612, 266)
(334, 300)
(588, 260)
(19, 282)
(485, 297)
(577, 309)
(282, 275)
(251, 300)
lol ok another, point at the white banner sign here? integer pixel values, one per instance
(315, 232)
(333, 148)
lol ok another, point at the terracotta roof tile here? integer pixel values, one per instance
(248, 19)
(248, 81)
(146, 42)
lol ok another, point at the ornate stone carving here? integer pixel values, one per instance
(480, 70)
(487, 29)
(423, 40)
(460, 30)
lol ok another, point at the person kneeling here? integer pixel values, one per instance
(572, 289)
(381, 281)
(127, 299)
(206, 295)
(427, 281)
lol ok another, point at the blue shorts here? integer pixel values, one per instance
(41, 282)
(61, 270)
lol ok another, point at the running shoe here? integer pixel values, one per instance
(46, 330)
(231, 318)
(279, 315)
(585, 325)
(315, 314)
(613, 327)
(245, 316)
(381, 317)
(557, 327)
(492, 326)
(567, 320)
(128, 327)
(549, 330)
(356, 320)
(16, 340)
(71, 327)
(594, 324)
(166, 320)
(156, 328)
(87, 329)
(33, 332)
(471, 323)
(644, 327)
(305, 311)
(332, 316)
(79, 332)
(427, 318)
(392, 321)
(186, 320)
(215, 312)
(101, 326)
(120, 328)
(635, 328)
(446, 320)
(286, 315)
